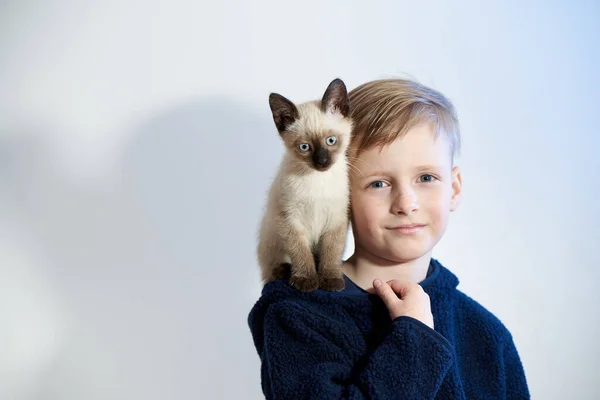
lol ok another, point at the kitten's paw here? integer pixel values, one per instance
(332, 284)
(281, 271)
(332, 281)
(305, 283)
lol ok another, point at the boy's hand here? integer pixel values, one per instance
(405, 299)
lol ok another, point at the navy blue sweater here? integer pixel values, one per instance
(343, 345)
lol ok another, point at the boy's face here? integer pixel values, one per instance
(402, 195)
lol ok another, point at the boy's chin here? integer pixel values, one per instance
(408, 254)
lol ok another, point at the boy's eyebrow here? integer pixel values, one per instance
(421, 168)
(375, 173)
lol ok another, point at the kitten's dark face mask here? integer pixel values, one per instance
(318, 151)
(320, 158)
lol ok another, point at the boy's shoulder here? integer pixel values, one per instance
(303, 313)
(470, 316)
(477, 320)
(281, 297)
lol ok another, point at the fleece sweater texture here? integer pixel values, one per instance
(343, 345)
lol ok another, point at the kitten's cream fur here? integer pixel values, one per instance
(307, 209)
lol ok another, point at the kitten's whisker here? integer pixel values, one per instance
(354, 168)
(302, 170)
(351, 158)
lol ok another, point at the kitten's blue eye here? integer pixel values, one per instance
(304, 147)
(377, 184)
(331, 140)
(427, 178)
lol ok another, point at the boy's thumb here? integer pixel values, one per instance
(384, 291)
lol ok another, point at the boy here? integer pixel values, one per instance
(400, 329)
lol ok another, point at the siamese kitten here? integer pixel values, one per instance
(306, 220)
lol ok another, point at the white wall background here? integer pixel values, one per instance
(136, 147)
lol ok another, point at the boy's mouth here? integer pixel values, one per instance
(407, 229)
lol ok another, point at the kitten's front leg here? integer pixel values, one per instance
(303, 272)
(331, 247)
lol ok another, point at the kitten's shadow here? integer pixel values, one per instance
(200, 173)
(156, 270)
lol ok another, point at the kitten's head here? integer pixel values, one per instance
(316, 133)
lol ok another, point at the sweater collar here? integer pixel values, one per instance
(440, 281)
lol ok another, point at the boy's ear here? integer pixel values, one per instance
(456, 188)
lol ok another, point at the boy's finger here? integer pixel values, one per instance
(385, 292)
(400, 288)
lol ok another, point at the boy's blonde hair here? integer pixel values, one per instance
(384, 110)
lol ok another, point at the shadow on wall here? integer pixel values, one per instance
(200, 175)
(156, 273)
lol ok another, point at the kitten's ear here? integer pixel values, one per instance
(336, 98)
(284, 111)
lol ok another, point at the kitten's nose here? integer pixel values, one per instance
(321, 157)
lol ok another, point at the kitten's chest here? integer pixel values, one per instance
(318, 199)
(318, 187)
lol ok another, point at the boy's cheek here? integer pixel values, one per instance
(361, 212)
(364, 208)
(437, 202)
(357, 201)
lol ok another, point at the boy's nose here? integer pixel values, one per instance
(405, 203)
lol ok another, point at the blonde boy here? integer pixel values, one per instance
(400, 329)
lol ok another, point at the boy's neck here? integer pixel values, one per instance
(362, 269)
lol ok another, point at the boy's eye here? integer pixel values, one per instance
(378, 184)
(427, 178)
